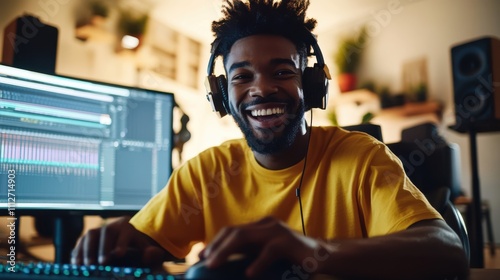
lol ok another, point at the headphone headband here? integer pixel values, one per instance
(211, 61)
(314, 80)
(310, 39)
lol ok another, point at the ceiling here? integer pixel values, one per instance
(193, 17)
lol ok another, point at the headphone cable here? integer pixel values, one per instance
(297, 190)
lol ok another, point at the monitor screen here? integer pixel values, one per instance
(80, 145)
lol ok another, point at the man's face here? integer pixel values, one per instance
(265, 91)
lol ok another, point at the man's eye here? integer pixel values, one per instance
(241, 77)
(284, 73)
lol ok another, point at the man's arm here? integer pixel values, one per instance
(426, 250)
(119, 243)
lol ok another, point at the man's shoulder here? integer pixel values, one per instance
(212, 158)
(227, 149)
(231, 146)
(331, 135)
(337, 139)
(340, 133)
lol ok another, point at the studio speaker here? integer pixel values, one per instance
(476, 82)
(30, 44)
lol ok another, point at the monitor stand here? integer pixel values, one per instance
(67, 230)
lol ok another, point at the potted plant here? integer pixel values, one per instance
(348, 58)
(133, 25)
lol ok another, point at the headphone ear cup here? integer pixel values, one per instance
(315, 87)
(222, 84)
(216, 94)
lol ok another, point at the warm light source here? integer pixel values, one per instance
(130, 42)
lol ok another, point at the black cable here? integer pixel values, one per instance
(297, 191)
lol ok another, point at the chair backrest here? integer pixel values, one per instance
(432, 167)
(372, 129)
(443, 157)
(425, 165)
(428, 169)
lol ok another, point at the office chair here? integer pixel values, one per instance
(437, 194)
(428, 173)
(447, 160)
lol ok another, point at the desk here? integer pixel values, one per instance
(484, 274)
(475, 273)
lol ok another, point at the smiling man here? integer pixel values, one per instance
(264, 76)
(323, 199)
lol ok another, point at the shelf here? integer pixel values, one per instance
(414, 108)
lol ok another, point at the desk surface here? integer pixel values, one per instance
(475, 273)
(484, 274)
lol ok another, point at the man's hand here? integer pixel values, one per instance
(267, 241)
(118, 243)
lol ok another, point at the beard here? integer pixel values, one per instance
(271, 142)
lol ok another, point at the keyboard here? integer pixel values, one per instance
(51, 271)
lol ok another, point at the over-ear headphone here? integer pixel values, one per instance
(314, 81)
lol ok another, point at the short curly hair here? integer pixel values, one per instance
(241, 19)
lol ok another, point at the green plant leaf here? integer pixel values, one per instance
(348, 55)
(367, 117)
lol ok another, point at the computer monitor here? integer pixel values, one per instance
(82, 146)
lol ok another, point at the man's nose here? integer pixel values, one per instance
(263, 86)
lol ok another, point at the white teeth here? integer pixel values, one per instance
(267, 112)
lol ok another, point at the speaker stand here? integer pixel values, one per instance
(476, 225)
(476, 232)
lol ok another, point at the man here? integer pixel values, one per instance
(328, 200)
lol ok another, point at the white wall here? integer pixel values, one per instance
(428, 29)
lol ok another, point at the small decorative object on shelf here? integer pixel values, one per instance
(348, 58)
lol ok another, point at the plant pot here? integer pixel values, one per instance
(347, 82)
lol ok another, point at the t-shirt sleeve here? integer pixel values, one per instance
(390, 200)
(173, 217)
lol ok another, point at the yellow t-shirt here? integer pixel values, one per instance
(353, 187)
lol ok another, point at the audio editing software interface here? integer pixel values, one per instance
(73, 144)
